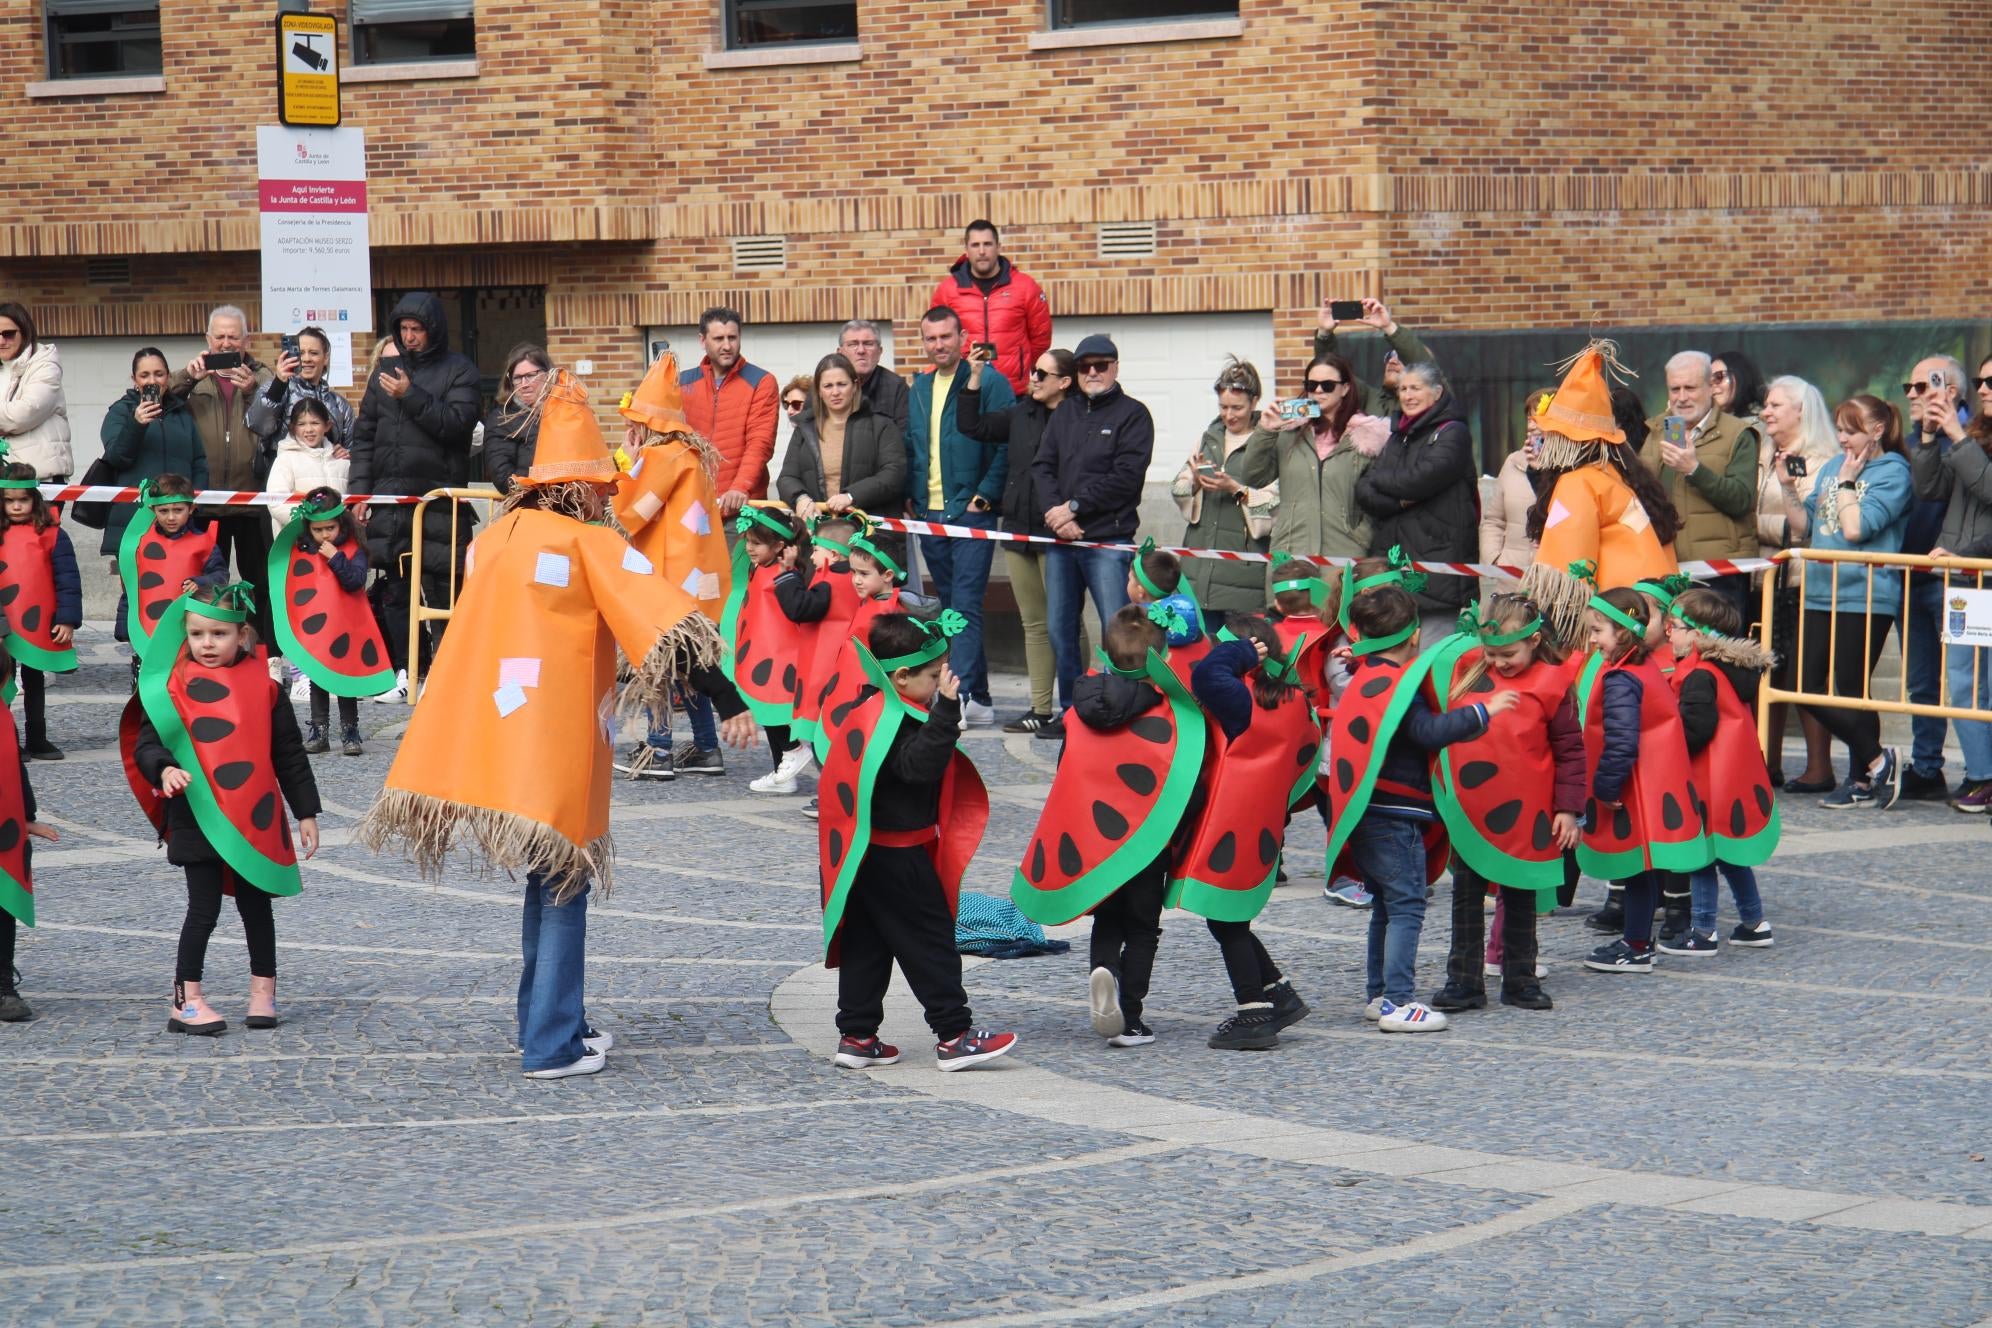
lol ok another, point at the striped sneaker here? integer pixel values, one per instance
(1413, 1017)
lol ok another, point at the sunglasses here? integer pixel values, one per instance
(1096, 366)
(1039, 375)
(9, 333)
(1981, 383)
(1915, 389)
(795, 403)
(1718, 376)
(1324, 384)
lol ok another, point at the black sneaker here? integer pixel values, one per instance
(1526, 995)
(314, 739)
(689, 760)
(1619, 957)
(1136, 1034)
(1052, 730)
(1756, 937)
(1919, 787)
(1255, 1029)
(1887, 781)
(1288, 1008)
(1028, 722)
(350, 743)
(1454, 996)
(45, 751)
(13, 1010)
(1609, 919)
(1693, 946)
(1674, 927)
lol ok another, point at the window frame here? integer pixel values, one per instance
(1056, 9)
(362, 36)
(730, 12)
(53, 44)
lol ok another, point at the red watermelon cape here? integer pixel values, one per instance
(27, 595)
(1497, 792)
(837, 694)
(17, 888)
(759, 658)
(216, 723)
(1744, 823)
(1227, 869)
(1659, 824)
(817, 646)
(153, 568)
(1365, 720)
(858, 748)
(326, 630)
(1312, 666)
(1135, 784)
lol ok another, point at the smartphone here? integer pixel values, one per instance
(982, 346)
(1300, 408)
(1936, 380)
(222, 359)
(150, 392)
(1674, 429)
(1795, 466)
(390, 364)
(287, 346)
(1345, 311)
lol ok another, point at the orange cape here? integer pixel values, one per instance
(670, 508)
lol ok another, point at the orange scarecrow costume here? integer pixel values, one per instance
(1594, 517)
(670, 503)
(510, 743)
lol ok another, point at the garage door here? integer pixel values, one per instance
(96, 371)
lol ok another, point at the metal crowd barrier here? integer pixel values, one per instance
(418, 612)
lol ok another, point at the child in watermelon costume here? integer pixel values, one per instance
(1126, 783)
(1512, 799)
(1225, 869)
(761, 641)
(1306, 606)
(818, 597)
(1645, 816)
(167, 550)
(318, 572)
(41, 595)
(878, 570)
(17, 891)
(1155, 577)
(1716, 677)
(220, 743)
(903, 810)
(1380, 790)
(1660, 593)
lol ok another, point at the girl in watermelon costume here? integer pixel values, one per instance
(166, 551)
(1512, 799)
(220, 743)
(761, 642)
(40, 593)
(1155, 577)
(903, 810)
(1716, 678)
(878, 570)
(318, 571)
(17, 891)
(1306, 606)
(820, 600)
(1126, 783)
(1644, 816)
(1230, 857)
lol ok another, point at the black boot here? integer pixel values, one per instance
(1610, 918)
(1674, 925)
(1455, 996)
(1253, 1029)
(1526, 994)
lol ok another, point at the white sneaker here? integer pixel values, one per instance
(1494, 971)
(1104, 989)
(1374, 1010)
(976, 715)
(397, 694)
(590, 1063)
(300, 688)
(599, 1042)
(1415, 1017)
(795, 762)
(772, 782)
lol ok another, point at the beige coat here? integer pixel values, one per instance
(1504, 522)
(34, 415)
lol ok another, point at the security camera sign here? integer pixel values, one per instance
(308, 70)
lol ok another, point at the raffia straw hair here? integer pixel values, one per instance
(582, 500)
(430, 829)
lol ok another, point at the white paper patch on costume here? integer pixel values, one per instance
(552, 569)
(1557, 512)
(519, 672)
(636, 562)
(696, 519)
(1635, 517)
(708, 586)
(508, 699)
(647, 505)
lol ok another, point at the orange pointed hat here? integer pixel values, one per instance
(570, 447)
(658, 404)
(1581, 410)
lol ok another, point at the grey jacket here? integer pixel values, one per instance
(1961, 478)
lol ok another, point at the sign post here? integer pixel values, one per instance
(317, 260)
(308, 70)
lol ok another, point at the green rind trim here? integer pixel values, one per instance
(892, 713)
(34, 657)
(17, 899)
(288, 645)
(1393, 714)
(1587, 678)
(1611, 866)
(1689, 855)
(1219, 904)
(1495, 864)
(1085, 893)
(1751, 850)
(244, 858)
(768, 714)
(134, 535)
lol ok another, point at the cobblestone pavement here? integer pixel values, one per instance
(1795, 1135)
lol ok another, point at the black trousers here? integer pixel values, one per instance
(1251, 970)
(779, 742)
(1465, 962)
(321, 708)
(34, 705)
(204, 910)
(395, 594)
(1642, 896)
(1127, 928)
(6, 950)
(246, 537)
(897, 912)
(1850, 659)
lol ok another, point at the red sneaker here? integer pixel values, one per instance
(863, 1053)
(973, 1048)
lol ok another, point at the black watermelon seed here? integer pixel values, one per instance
(1621, 823)
(305, 596)
(1763, 793)
(264, 813)
(206, 690)
(1305, 756)
(740, 652)
(1108, 821)
(302, 567)
(836, 846)
(788, 678)
(1738, 820)
(151, 580)
(1224, 852)
(314, 624)
(847, 798)
(1483, 683)
(1137, 777)
(854, 742)
(1671, 814)
(151, 550)
(10, 835)
(1543, 834)
(340, 646)
(235, 774)
(157, 609)
(1502, 819)
(31, 620)
(1377, 685)
(1069, 860)
(1152, 728)
(762, 673)
(1590, 815)
(1475, 773)
(9, 593)
(369, 654)
(1269, 848)
(211, 728)
(1037, 863)
(1358, 728)
(1345, 774)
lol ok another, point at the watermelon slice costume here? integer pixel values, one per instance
(850, 775)
(1743, 819)
(837, 694)
(760, 655)
(216, 723)
(1659, 825)
(153, 567)
(17, 888)
(1311, 634)
(818, 645)
(1114, 804)
(326, 630)
(1365, 721)
(27, 596)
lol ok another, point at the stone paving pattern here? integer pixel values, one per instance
(1787, 1136)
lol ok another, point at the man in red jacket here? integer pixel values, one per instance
(998, 303)
(734, 406)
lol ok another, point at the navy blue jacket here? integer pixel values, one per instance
(1218, 682)
(1623, 695)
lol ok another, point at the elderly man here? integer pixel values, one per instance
(219, 400)
(1946, 477)
(862, 342)
(1711, 474)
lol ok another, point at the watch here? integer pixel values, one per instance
(1073, 507)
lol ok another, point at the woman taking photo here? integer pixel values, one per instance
(1961, 475)
(297, 378)
(1223, 511)
(1859, 500)
(1315, 463)
(511, 430)
(1796, 448)
(1422, 492)
(843, 454)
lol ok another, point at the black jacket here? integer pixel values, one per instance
(907, 795)
(510, 435)
(1700, 712)
(885, 392)
(1022, 427)
(1107, 701)
(874, 469)
(1423, 493)
(1095, 451)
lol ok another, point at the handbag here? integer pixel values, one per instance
(95, 515)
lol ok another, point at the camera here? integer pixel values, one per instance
(1300, 408)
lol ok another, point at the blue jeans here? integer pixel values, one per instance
(1973, 735)
(960, 571)
(1389, 854)
(1069, 576)
(1742, 885)
(1920, 637)
(554, 939)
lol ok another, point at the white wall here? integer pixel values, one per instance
(97, 371)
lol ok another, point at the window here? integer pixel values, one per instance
(388, 32)
(1081, 13)
(769, 22)
(102, 38)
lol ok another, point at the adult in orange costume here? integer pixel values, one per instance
(509, 747)
(1595, 500)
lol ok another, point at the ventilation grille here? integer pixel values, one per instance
(111, 271)
(1127, 239)
(760, 253)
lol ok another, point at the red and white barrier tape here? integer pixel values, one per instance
(111, 493)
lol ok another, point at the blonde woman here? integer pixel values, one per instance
(1223, 511)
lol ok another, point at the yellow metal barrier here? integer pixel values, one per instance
(1870, 567)
(418, 612)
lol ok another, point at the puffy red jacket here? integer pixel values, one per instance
(737, 415)
(1013, 314)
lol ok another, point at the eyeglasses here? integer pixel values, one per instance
(1324, 384)
(1096, 366)
(1915, 389)
(1718, 376)
(527, 375)
(795, 403)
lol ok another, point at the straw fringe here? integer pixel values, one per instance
(1608, 351)
(1561, 597)
(580, 500)
(430, 829)
(1559, 453)
(693, 644)
(1739, 651)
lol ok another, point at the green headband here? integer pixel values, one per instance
(835, 546)
(1370, 645)
(1701, 627)
(29, 483)
(752, 516)
(1314, 585)
(1666, 588)
(1471, 625)
(233, 603)
(862, 544)
(1399, 574)
(1618, 615)
(1141, 573)
(147, 498)
(310, 513)
(1107, 663)
(939, 632)
(1285, 668)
